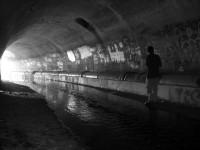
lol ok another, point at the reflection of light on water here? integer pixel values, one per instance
(52, 101)
(80, 108)
(87, 114)
(39, 90)
(50, 96)
(60, 95)
(71, 105)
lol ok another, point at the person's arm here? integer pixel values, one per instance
(147, 62)
(159, 61)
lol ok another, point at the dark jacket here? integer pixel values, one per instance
(153, 62)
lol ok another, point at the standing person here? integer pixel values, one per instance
(153, 63)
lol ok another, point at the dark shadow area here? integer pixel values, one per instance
(26, 122)
(83, 23)
(198, 82)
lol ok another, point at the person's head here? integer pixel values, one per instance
(150, 49)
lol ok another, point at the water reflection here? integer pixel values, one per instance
(107, 121)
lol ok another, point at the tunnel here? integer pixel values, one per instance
(102, 45)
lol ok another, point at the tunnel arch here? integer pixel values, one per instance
(95, 25)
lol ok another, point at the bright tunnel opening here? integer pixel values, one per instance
(7, 65)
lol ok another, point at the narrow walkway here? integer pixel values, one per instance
(26, 122)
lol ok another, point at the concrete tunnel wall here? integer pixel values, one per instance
(172, 27)
(110, 36)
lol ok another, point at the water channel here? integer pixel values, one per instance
(105, 121)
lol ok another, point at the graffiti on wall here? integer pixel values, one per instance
(188, 96)
(123, 50)
(133, 52)
(71, 56)
(183, 46)
(99, 56)
(120, 51)
(85, 51)
(115, 54)
(177, 44)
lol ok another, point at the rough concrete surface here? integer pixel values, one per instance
(26, 122)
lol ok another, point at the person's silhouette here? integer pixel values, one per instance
(153, 62)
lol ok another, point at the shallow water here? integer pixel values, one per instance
(104, 121)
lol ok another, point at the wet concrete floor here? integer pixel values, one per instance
(27, 123)
(108, 120)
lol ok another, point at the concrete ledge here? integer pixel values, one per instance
(178, 88)
(186, 80)
(179, 94)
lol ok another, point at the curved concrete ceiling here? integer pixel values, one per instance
(33, 28)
